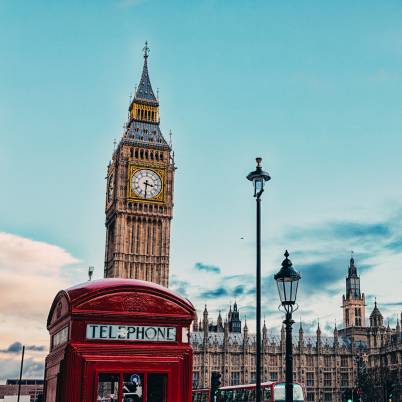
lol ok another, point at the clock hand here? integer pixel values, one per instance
(146, 187)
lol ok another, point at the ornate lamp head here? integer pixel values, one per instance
(258, 177)
(287, 280)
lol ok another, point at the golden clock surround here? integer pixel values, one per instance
(160, 170)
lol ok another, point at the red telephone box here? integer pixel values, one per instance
(115, 340)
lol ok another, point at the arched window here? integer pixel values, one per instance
(136, 153)
(142, 154)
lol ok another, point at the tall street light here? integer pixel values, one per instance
(287, 280)
(258, 177)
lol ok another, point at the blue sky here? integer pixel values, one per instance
(312, 87)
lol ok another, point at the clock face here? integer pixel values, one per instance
(146, 183)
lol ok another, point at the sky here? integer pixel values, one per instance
(314, 88)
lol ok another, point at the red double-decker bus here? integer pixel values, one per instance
(271, 392)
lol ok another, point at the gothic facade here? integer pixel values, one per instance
(326, 366)
(139, 194)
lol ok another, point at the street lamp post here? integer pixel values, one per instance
(287, 280)
(258, 177)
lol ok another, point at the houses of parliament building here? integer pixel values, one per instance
(139, 210)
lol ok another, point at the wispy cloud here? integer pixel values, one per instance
(214, 293)
(199, 266)
(343, 230)
(16, 347)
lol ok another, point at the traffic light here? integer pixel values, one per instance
(215, 384)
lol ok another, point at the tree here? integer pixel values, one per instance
(377, 384)
(366, 383)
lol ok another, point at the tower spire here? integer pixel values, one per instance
(144, 92)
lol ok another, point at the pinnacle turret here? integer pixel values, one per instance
(264, 331)
(376, 318)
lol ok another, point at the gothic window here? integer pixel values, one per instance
(136, 153)
(152, 156)
(235, 378)
(161, 157)
(344, 379)
(327, 380)
(196, 379)
(309, 361)
(310, 396)
(146, 154)
(236, 359)
(344, 361)
(156, 156)
(310, 379)
(327, 361)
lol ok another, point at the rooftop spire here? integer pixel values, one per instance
(144, 91)
(318, 328)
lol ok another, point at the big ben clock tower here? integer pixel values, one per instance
(139, 194)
